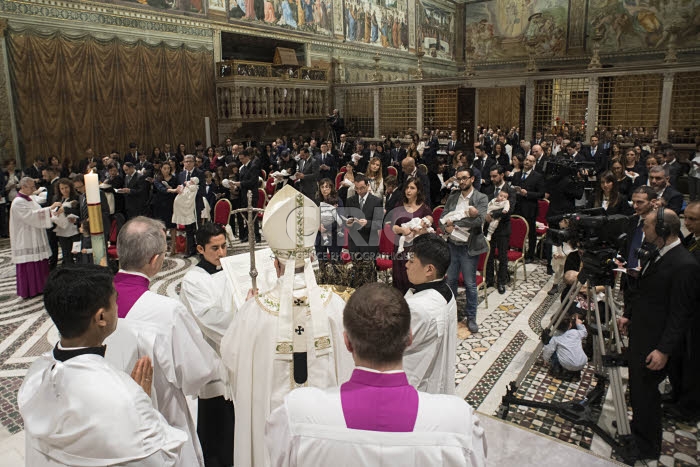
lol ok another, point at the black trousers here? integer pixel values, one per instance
(215, 424)
(243, 225)
(53, 243)
(66, 244)
(531, 237)
(500, 242)
(646, 405)
(683, 374)
(190, 231)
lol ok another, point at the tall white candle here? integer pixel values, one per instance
(92, 188)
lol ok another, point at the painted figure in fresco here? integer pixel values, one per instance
(350, 21)
(368, 26)
(287, 16)
(404, 33)
(308, 12)
(359, 24)
(375, 28)
(250, 9)
(270, 16)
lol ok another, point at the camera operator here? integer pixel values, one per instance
(336, 124)
(657, 313)
(562, 191)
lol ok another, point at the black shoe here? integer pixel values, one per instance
(679, 413)
(554, 290)
(501, 289)
(258, 240)
(471, 324)
(244, 239)
(489, 284)
(528, 260)
(550, 271)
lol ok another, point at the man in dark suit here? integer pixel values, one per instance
(692, 223)
(136, 192)
(328, 165)
(249, 180)
(89, 162)
(658, 313)
(483, 164)
(597, 154)
(34, 170)
(540, 158)
(144, 167)
(133, 154)
(344, 147)
(365, 213)
(249, 142)
(397, 154)
(501, 236)
(675, 170)
(308, 174)
(529, 188)
(367, 156)
(538, 139)
(453, 145)
(659, 180)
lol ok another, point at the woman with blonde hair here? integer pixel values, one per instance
(374, 177)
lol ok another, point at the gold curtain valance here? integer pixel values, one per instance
(73, 92)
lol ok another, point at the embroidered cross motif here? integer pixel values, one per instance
(300, 301)
(299, 330)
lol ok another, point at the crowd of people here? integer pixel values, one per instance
(360, 194)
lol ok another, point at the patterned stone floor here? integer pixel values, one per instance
(509, 330)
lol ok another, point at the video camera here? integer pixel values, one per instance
(560, 167)
(599, 236)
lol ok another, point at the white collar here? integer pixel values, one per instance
(372, 370)
(135, 273)
(666, 248)
(469, 196)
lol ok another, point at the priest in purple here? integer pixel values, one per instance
(376, 418)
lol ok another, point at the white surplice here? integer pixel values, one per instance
(184, 364)
(85, 412)
(259, 380)
(28, 224)
(309, 430)
(209, 297)
(429, 361)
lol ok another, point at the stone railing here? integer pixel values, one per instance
(237, 69)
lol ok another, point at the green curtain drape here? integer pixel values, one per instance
(73, 93)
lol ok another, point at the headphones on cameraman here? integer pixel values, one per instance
(661, 229)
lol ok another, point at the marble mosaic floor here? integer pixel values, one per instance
(502, 351)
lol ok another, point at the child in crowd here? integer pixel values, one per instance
(565, 349)
(499, 203)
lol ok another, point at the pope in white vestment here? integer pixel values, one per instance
(287, 338)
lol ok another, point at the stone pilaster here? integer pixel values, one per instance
(665, 111)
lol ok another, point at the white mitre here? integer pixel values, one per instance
(290, 225)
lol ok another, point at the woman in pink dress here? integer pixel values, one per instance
(413, 206)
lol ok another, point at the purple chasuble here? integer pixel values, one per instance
(379, 402)
(129, 289)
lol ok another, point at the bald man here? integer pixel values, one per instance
(409, 169)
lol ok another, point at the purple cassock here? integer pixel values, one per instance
(379, 402)
(129, 289)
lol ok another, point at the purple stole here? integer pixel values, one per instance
(379, 402)
(129, 289)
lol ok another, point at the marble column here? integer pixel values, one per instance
(216, 42)
(665, 111)
(592, 114)
(529, 109)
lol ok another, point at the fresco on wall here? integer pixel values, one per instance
(302, 15)
(175, 6)
(217, 5)
(642, 24)
(498, 29)
(380, 23)
(436, 31)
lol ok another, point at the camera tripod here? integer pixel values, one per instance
(607, 348)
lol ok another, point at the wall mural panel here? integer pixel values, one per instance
(383, 23)
(314, 16)
(436, 30)
(643, 24)
(174, 6)
(499, 29)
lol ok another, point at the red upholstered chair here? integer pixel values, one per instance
(339, 178)
(516, 246)
(391, 170)
(262, 201)
(263, 174)
(222, 211)
(345, 255)
(387, 237)
(112, 244)
(542, 209)
(437, 213)
(270, 187)
(343, 169)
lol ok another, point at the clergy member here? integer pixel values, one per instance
(288, 337)
(77, 408)
(208, 296)
(184, 363)
(377, 416)
(430, 360)
(28, 242)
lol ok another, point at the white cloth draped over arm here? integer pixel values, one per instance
(209, 311)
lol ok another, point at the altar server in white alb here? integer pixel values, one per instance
(184, 363)
(376, 418)
(208, 295)
(288, 337)
(430, 360)
(78, 409)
